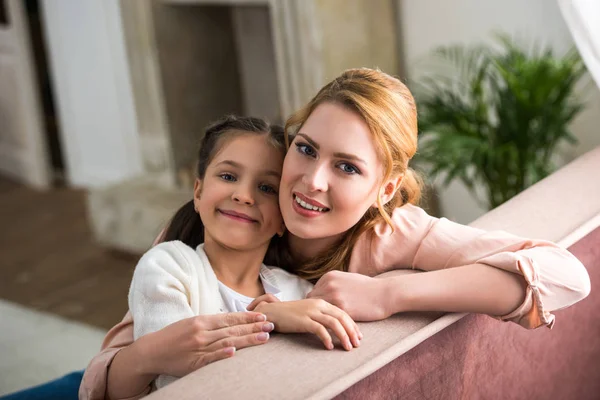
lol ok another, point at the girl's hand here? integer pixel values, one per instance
(192, 343)
(362, 297)
(313, 316)
(265, 298)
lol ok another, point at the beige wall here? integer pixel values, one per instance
(426, 24)
(349, 30)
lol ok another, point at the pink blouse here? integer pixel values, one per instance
(555, 278)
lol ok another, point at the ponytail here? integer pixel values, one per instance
(185, 226)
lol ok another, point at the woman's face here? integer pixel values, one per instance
(331, 174)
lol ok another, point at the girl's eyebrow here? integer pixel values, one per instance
(339, 155)
(236, 164)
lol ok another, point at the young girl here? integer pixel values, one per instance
(213, 261)
(349, 202)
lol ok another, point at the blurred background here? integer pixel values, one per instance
(102, 104)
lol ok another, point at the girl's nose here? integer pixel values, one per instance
(315, 178)
(243, 196)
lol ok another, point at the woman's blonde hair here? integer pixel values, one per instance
(389, 109)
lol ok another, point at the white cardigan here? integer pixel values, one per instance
(172, 282)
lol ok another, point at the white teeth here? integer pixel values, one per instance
(308, 206)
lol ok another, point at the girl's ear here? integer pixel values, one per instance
(389, 189)
(281, 230)
(197, 193)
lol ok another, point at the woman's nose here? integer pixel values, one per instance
(315, 178)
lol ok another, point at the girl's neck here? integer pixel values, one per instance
(236, 269)
(306, 249)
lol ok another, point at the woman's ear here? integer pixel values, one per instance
(389, 189)
(197, 193)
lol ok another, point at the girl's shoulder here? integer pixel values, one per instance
(289, 284)
(172, 252)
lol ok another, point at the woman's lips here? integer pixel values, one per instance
(237, 216)
(304, 211)
(308, 200)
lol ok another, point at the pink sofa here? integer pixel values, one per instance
(447, 356)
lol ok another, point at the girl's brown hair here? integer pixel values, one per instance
(186, 224)
(389, 109)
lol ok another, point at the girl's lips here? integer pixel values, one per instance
(237, 216)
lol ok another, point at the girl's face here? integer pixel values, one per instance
(331, 174)
(237, 199)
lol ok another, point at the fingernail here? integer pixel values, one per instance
(263, 336)
(268, 327)
(230, 350)
(260, 318)
(330, 346)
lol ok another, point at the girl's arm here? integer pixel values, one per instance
(467, 269)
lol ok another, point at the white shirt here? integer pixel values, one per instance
(172, 282)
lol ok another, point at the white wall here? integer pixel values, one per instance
(92, 90)
(427, 24)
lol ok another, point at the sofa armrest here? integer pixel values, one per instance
(562, 208)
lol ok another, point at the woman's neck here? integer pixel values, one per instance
(307, 249)
(237, 269)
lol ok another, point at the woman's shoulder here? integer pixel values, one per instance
(405, 220)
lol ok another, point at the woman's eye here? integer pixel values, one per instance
(306, 149)
(349, 168)
(228, 177)
(267, 189)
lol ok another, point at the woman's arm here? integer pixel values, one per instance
(460, 289)
(181, 348)
(467, 269)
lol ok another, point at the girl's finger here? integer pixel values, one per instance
(216, 355)
(269, 298)
(319, 330)
(349, 325)
(218, 321)
(237, 331)
(240, 342)
(336, 327)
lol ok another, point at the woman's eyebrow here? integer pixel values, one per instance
(339, 155)
(309, 140)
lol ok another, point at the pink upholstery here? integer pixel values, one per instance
(480, 358)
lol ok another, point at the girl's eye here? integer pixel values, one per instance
(306, 149)
(348, 169)
(228, 177)
(267, 189)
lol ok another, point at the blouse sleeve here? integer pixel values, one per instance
(93, 384)
(555, 278)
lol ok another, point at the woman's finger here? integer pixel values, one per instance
(238, 330)
(240, 342)
(218, 321)
(336, 327)
(213, 356)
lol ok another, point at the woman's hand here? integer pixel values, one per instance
(312, 316)
(362, 297)
(192, 343)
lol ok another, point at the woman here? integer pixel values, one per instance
(348, 200)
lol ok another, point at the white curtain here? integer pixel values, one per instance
(583, 20)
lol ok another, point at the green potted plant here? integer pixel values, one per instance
(497, 118)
